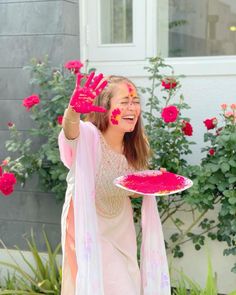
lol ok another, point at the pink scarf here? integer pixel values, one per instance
(89, 281)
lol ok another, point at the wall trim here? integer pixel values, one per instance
(189, 66)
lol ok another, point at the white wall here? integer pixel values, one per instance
(204, 95)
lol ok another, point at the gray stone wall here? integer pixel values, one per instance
(30, 28)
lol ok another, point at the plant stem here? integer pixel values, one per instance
(181, 237)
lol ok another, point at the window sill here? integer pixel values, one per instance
(189, 66)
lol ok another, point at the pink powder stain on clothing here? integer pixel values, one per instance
(164, 182)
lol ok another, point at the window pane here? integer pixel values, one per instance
(116, 21)
(202, 27)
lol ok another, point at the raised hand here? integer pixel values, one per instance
(82, 98)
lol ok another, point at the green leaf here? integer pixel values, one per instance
(232, 200)
(56, 97)
(213, 167)
(232, 162)
(225, 167)
(232, 179)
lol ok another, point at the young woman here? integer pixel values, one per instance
(98, 233)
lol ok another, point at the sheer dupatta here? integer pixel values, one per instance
(154, 266)
(89, 281)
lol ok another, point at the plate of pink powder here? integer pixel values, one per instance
(153, 182)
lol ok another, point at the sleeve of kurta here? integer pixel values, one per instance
(67, 149)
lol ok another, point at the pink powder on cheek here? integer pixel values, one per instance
(149, 184)
(115, 116)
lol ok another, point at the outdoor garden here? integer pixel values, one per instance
(169, 130)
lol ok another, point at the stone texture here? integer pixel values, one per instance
(12, 110)
(30, 29)
(23, 1)
(14, 84)
(31, 207)
(23, 48)
(13, 234)
(32, 18)
(26, 210)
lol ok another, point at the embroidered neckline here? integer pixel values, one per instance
(108, 146)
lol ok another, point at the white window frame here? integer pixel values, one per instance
(191, 66)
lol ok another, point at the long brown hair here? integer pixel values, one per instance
(136, 147)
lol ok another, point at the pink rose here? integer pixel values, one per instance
(211, 152)
(233, 106)
(10, 124)
(30, 101)
(59, 119)
(229, 114)
(73, 65)
(224, 106)
(169, 114)
(5, 162)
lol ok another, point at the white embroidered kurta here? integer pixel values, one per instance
(113, 269)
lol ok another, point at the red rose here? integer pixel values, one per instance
(0, 171)
(187, 128)
(7, 182)
(210, 123)
(169, 83)
(170, 114)
(211, 152)
(73, 65)
(10, 124)
(59, 119)
(30, 101)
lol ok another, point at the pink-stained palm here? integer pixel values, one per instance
(83, 96)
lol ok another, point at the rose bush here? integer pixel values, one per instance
(169, 132)
(54, 87)
(215, 184)
(170, 143)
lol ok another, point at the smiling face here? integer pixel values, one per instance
(124, 107)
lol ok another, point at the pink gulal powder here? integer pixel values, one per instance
(154, 183)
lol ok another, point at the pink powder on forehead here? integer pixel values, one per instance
(131, 89)
(154, 183)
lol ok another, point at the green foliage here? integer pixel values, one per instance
(186, 286)
(167, 141)
(43, 275)
(216, 183)
(214, 179)
(54, 87)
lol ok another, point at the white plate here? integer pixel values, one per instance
(119, 183)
